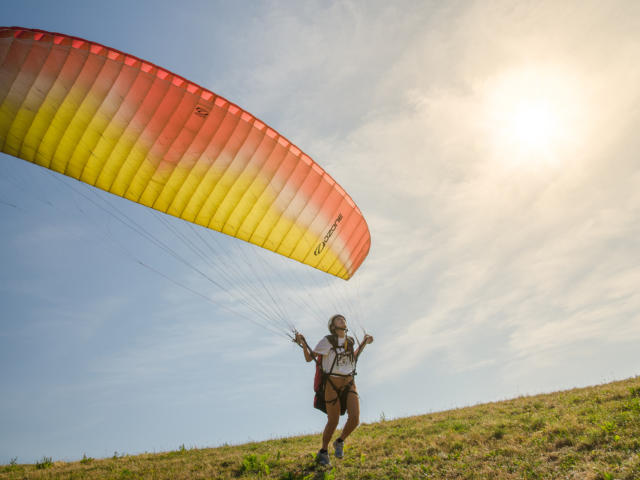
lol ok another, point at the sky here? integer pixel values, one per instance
(493, 149)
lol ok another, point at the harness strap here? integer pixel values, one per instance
(339, 391)
(327, 376)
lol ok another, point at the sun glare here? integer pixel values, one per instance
(534, 123)
(532, 115)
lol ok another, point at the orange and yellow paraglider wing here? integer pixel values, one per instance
(141, 132)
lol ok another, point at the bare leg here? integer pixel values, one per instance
(333, 415)
(353, 412)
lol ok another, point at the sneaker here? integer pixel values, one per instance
(323, 458)
(338, 445)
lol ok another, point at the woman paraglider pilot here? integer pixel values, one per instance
(336, 357)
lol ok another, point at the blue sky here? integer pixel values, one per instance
(492, 148)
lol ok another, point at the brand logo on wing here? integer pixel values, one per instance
(326, 238)
(201, 111)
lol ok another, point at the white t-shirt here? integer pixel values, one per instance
(344, 364)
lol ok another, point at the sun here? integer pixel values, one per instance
(532, 115)
(535, 124)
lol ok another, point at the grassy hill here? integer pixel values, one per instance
(587, 433)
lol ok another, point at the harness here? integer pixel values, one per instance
(322, 377)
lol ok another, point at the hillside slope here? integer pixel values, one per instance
(586, 433)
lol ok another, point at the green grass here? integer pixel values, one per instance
(588, 434)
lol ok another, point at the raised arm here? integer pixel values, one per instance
(365, 341)
(308, 354)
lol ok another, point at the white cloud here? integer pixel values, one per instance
(534, 254)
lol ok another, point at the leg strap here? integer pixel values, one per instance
(340, 391)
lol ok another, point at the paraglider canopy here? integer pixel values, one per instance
(141, 132)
